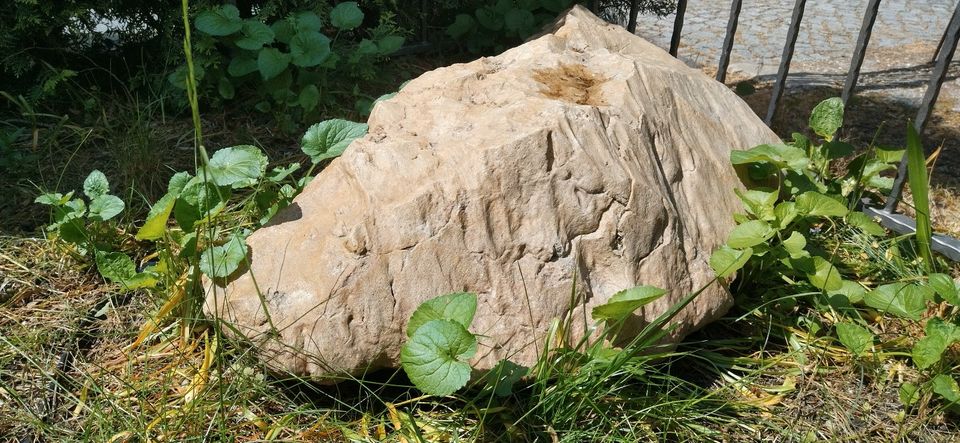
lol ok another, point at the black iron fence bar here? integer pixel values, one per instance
(634, 10)
(677, 27)
(785, 60)
(929, 100)
(728, 40)
(856, 62)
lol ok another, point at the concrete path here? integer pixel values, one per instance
(897, 61)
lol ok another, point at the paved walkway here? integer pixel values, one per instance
(903, 40)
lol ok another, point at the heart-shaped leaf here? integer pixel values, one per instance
(435, 358)
(223, 260)
(819, 205)
(328, 139)
(458, 307)
(117, 267)
(309, 98)
(725, 261)
(105, 207)
(309, 48)
(237, 166)
(461, 26)
(825, 276)
(220, 21)
(95, 185)
(389, 44)
(751, 233)
(901, 299)
(346, 16)
(827, 117)
(855, 337)
(271, 62)
(255, 35)
(945, 287)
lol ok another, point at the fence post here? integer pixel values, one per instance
(856, 62)
(952, 35)
(634, 10)
(785, 60)
(728, 40)
(677, 27)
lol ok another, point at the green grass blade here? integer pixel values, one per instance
(917, 174)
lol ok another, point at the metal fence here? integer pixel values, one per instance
(943, 56)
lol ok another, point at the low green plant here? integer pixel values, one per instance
(294, 66)
(497, 26)
(90, 225)
(796, 205)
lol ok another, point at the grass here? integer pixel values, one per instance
(71, 367)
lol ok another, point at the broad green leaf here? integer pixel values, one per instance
(309, 98)
(825, 276)
(435, 357)
(889, 155)
(919, 188)
(795, 244)
(751, 233)
(255, 35)
(518, 20)
(944, 286)
(220, 21)
(95, 185)
(837, 149)
(827, 117)
(946, 387)
(178, 78)
(819, 205)
(178, 182)
(309, 48)
(223, 260)
(726, 260)
(851, 290)
(346, 16)
(901, 299)
(783, 156)
(856, 338)
(785, 213)
(156, 223)
(928, 350)
(758, 203)
(225, 88)
(278, 174)
(51, 199)
(117, 267)
(105, 207)
(241, 66)
(461, 26)
(284, 29)
(865, 223)
(237, 166)
(488, 18)
(389, 44)
(328, 139)
(625, 302)
(503, 376)
(271, 62)
(308, 21)
(909, 393)
(458, 307)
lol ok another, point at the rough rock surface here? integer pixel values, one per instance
(586, 154)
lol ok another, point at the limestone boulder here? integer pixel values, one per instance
(586, 155)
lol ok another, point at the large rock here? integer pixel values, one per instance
(586, 155)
